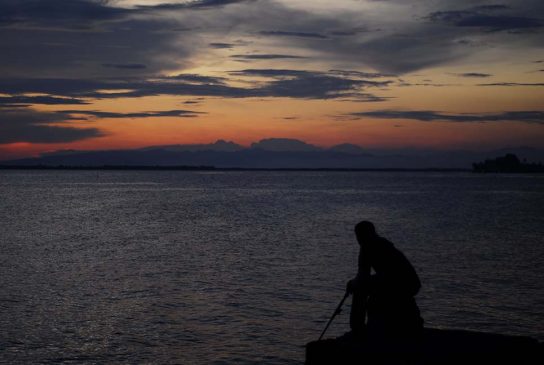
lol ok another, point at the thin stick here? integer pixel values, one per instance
(336, 312)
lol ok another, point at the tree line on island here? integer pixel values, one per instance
(508, 163)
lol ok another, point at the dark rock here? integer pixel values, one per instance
(436, 346)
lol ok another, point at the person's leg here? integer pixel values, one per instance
(358, 312)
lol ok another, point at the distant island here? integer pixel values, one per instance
(106, 167)
(508, 163)
(213, 168)
(268, 153)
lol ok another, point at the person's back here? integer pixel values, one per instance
(391, 308)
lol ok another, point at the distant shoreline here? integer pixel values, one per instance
(212, 168)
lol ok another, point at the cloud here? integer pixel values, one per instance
(199, 79)
(282, 33)
(265, 56)
(499, 22)
(404, 53)
(316, 87)
(97, 39)
(51, 12)
(429, 83)
(280, 74)
(535, 117)
(85, 38)
(513, 84)
(80, 14)
(127, 66)
(89, 38)
(24, 125)
(366, 75)
(473, 74)
(101, 51)
(28, 125)
(399, 47)
(346, 32)
(220, 45)
(283, 83)
(46, 100)
(312, 84)
(401, 39)
(491, 7)
(480, 17)
(152, 114)
(195, 4)
(275, 73)
(364, 98)
(54, 86)
(212, 3)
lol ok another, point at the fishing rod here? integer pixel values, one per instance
(336, 312)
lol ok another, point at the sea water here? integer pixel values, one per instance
(246, 267)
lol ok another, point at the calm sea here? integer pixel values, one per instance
(246, 267)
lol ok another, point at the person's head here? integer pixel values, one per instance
(365, 232)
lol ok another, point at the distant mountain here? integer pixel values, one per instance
(348, 148)
(246, 158)
(275, 153)
(284, 144)
(219, 146)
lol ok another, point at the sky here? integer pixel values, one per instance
(431, 74)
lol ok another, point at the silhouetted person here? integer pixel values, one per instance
(387, 296)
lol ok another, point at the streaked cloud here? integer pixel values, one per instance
(473, 74)
(90, 52)
(283, 33)
(72, 114)
(44, 100)
(24, 125)
(265, 56)
(194, 4)
(513, 84)
(531, 116)
(220, 45)
(58, 12)
(168, 36)
(283, 83)
(126, 66)
(486, 17)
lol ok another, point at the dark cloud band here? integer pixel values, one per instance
(283, 83)
(536, 117)
(282, 33)
(155, 114)
(265, 56)
(24, 125)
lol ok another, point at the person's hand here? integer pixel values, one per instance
(351, 285)
(356, 284)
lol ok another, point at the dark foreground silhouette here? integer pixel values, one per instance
(386, 298)
(444, 347)
(386, 326)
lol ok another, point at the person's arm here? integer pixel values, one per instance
(361, 282)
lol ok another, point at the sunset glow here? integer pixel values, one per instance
(128, 74)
